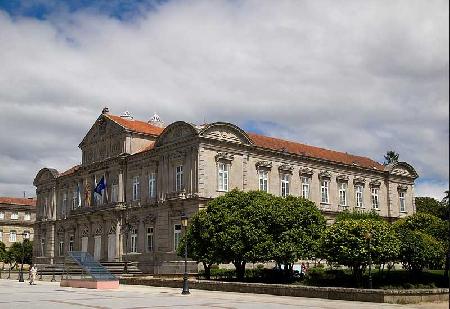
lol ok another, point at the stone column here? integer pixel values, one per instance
(118, 241)
(51, 242)
(121, 187)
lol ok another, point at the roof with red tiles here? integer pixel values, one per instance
(312, 151)
(136, 125)
(70, 171)
(17, 201)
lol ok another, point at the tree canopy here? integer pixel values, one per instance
(390, 157)
(241, 227)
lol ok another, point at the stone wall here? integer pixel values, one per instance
(365, 295)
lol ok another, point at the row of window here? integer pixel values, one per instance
(13, 235)
(15, 216)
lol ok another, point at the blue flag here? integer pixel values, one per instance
(100, 186)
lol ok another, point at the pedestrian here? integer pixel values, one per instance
(304, 269)
(33, 272)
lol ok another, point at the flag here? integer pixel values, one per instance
(87, 194)
(100, 186)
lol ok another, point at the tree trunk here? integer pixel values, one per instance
(207, 268)
(240, 269)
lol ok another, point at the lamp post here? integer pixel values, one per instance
(184, 223)
(369, 238)
(23, 254)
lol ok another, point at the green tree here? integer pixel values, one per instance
(433, 207)
(296, 226)
(241, 233)
(2, 254)
(202, 244)
(353, 242)
(425, 241)
(391, 157)
(419, 250)
(9, 259)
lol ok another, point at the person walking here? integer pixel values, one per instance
(33, 272)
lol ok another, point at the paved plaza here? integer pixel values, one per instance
(50, 295)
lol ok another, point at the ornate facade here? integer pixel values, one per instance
(152, 174)
(17, 216)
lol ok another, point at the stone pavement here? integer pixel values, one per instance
(50, 295)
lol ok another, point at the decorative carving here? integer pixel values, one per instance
(149, 219)
(324, 174)
(99, 230)
(286, 168)
(225, 156)
(85, 231)
(112, 229)
(60, 229)
(305, 171)
(263, 164)
(342, 178)
(133, 220)
(359, 181)
(375, 183)
(177, 155)
(402, 187)
(175, 213)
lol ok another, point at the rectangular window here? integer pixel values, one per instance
(150, 239)
(12, 236)
(179, 178)
(26, 234)
(223, 176)
(176, 236)
(359, 196)
(152, 185)
(64, 202)
(135, 188)
(343, 194)
(1, 235)
(71, 243)
(2, 215)
(27, 216)
(284, 185)
(401, 196)
(263, 176)
(305, 187)
(61, 248)
(115, 193)
(324, 188)
(14, 215)
(74, 199)
(375, 204)
(134, 240)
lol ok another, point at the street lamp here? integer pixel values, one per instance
(184, 223)
(23, 254)
(369, 238)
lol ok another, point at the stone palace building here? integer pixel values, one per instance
(17, 216)
(149, 174)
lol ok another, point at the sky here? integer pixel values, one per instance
(362, 77)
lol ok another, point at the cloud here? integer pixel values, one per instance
(432, 189)
(362, 77)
